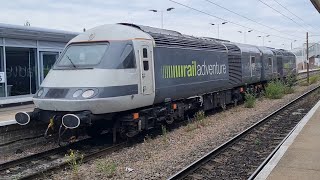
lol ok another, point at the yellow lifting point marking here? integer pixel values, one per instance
(51, 123)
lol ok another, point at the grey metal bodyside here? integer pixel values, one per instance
(286, 62)
(289, 63)
(268, 70)
(100, 92)
(235, 64)
(172, 86)
(248, 51)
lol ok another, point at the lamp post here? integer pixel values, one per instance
(292, 42)
(244, 35)
(161, 11)
(269, 42)
(218, 24)
(263, 38)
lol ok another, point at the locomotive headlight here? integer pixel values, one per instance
(88, 93)
(77, 93)
(40, 92)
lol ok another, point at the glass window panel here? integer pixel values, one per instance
(145, 53)
(127, 58)
(270, 61)
(83, 55)
(2, 84)
(48, 60)
(146, 65)
(253, 59)
(21, 70)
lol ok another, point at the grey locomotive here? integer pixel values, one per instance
(128, 78)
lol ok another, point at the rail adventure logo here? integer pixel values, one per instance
(193, 70)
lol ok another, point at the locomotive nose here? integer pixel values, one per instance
(22, 118)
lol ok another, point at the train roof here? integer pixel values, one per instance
(111, 32)
(282, 52)
(248, 48)
(148, 29)
(169, 38)
(265, 50)
(34, 33)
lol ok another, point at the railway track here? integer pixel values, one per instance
(55, 158)
(243, 156)
(22, 137)
(39, 165)
(303, 75)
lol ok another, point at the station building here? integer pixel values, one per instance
(314, 56)
(26, 56)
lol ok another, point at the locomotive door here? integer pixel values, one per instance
(252, 66)
(280, 66)
(146, 66)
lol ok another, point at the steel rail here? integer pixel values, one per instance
(264, 163)
(198, 163)
(86, 158)
(27, 159)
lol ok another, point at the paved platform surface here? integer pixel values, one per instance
(14, 99)
(299, 156)
(7, 114)
(310, 70)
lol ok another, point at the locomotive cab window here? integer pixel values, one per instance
(127, 59)
(145, 53)
(83, 55)
(114, 55)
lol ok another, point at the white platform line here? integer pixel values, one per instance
(8, 122)
(265, 172)
(4, 101)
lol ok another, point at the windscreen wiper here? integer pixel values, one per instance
(71, 62)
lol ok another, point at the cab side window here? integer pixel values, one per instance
(146, 65)
(145, 60)
(145, 53)
(127, 58)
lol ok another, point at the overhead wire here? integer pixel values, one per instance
(283, 15)
(249, 18)
(211, 15)
(294, 14)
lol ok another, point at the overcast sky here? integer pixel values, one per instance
(74, 15)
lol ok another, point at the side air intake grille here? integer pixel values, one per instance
(186, 42)
(235, 70)
(232, 49)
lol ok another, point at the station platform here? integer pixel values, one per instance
(7, 114)
(310, 70)
(299, 156)
(5, 101)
